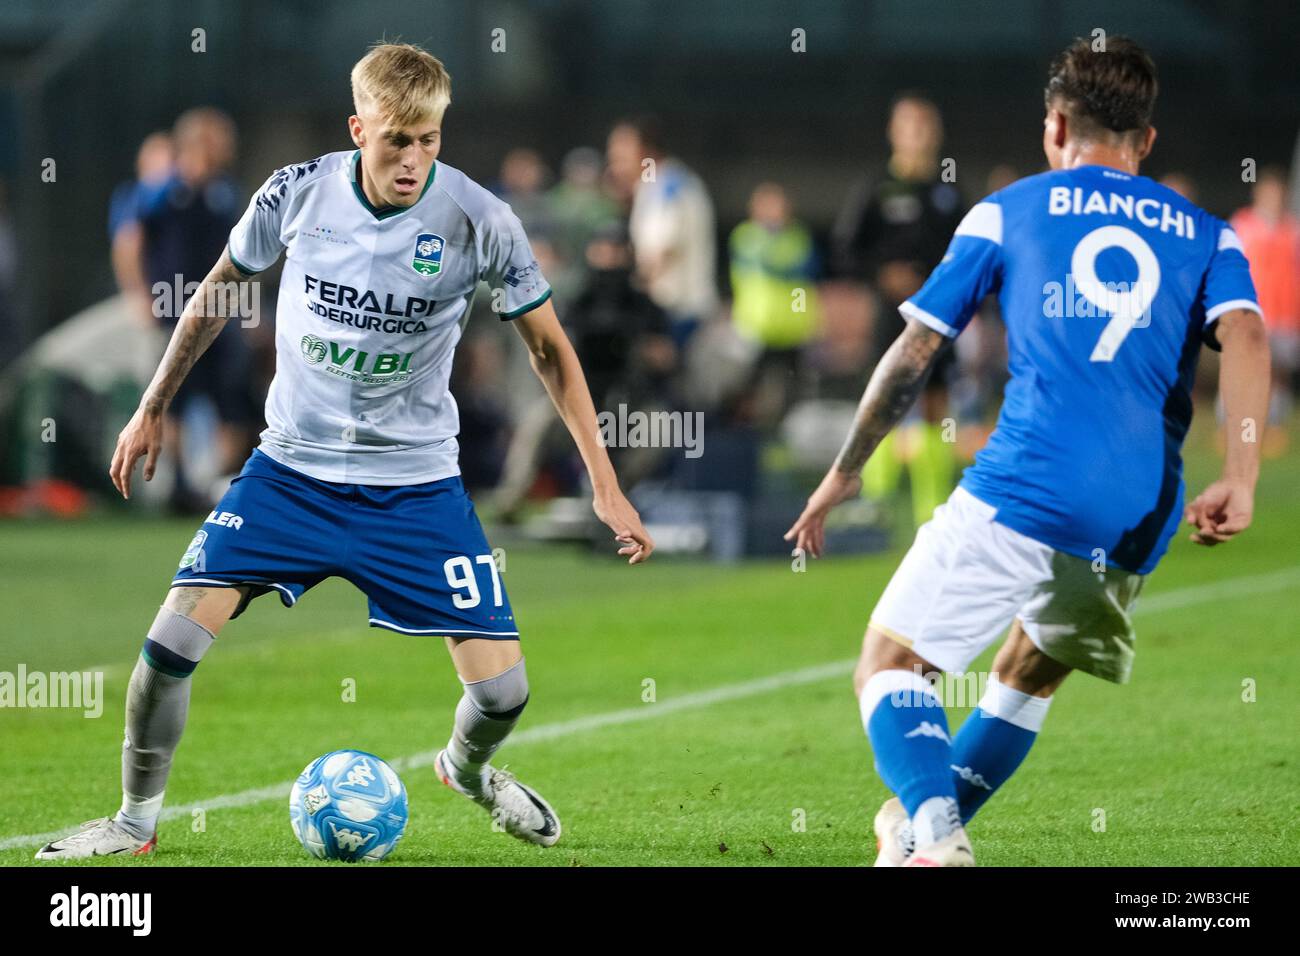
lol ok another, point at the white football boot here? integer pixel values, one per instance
(516, 808)
(102, 837)
(952, 850)
(891, 843)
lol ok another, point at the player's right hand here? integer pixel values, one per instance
(809, 531)
(619, 516)
(141, 438)
(1220, 511)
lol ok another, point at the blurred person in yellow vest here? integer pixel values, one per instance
(772, 269)
(774, 302)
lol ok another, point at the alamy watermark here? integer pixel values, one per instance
(951, 690)
(234, 300)
(626, 428)
(83, 690)
(133, 911)
(1094, 299)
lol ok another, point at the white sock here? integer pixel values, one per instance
(138, 815)
(934, 820)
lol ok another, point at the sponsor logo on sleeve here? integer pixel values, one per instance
(514, 275)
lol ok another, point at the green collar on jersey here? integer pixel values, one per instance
(387, 211)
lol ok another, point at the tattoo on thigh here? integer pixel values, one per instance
(185, 600)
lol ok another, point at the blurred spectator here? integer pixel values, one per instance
(579, 206)
(477, 382)
(170, 231)
(1181, 183)
(523, 182)
(155, 161)
(1270, 235)
(1000, 177)
(893, 230)
(672, 225)
(154, 166)
(842, 349)
(621, 336)
(774, 302)
(565, 275)
(623, 342)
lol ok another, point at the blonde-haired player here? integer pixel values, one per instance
(356, 474)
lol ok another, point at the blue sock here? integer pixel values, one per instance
(909, 735)
(993, 742)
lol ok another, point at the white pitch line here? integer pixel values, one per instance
(1170, 600)
(628, 715)
(1219, 590)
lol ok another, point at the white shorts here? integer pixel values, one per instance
(966, 578)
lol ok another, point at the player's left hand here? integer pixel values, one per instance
(620, 517)
(809, 532)
(1220, 511)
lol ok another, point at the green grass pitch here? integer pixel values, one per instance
(746, 756)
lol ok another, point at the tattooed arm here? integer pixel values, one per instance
(199, 324)
(894, 386)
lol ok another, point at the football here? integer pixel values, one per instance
(348, 805)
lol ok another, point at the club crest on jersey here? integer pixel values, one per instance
(193, 556)
(428, 255)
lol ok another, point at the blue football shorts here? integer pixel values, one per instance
(417, 552)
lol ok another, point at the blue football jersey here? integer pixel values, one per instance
(1108, 284)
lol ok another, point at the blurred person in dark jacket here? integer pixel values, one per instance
(892, 231)
(167, 231)
(155, 164)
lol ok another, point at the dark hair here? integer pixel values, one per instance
(1110, 89)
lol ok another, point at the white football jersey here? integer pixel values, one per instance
(372, 303)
